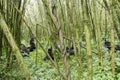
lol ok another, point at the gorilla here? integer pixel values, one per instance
(26, 50)
(107, 44)
(50, 54)
(117, 47)
(32, 45)
(71, 51)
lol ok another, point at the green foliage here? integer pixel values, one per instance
(40, 22)
(14, 73)
(45, 70)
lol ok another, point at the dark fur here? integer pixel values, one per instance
(50, 54)
(107, 44)
(26, 50)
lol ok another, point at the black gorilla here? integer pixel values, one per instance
(32, 45)
(117, 47)
(71, 51)
(31, 41)
(26, 50)
(67, 49)
(50, 54)
(107, 44)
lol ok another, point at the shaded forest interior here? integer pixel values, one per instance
(59, 40)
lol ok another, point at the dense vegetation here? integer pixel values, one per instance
(59, 40)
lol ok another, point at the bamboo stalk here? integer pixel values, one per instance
(89, 54)
(112, 42)
(88, 40)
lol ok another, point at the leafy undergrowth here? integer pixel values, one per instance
(45, 70)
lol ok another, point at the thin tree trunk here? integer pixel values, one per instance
(87, 36)
(89, 54)
(112, 42)
(15, 49)
(58, 26)
(1, 35)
